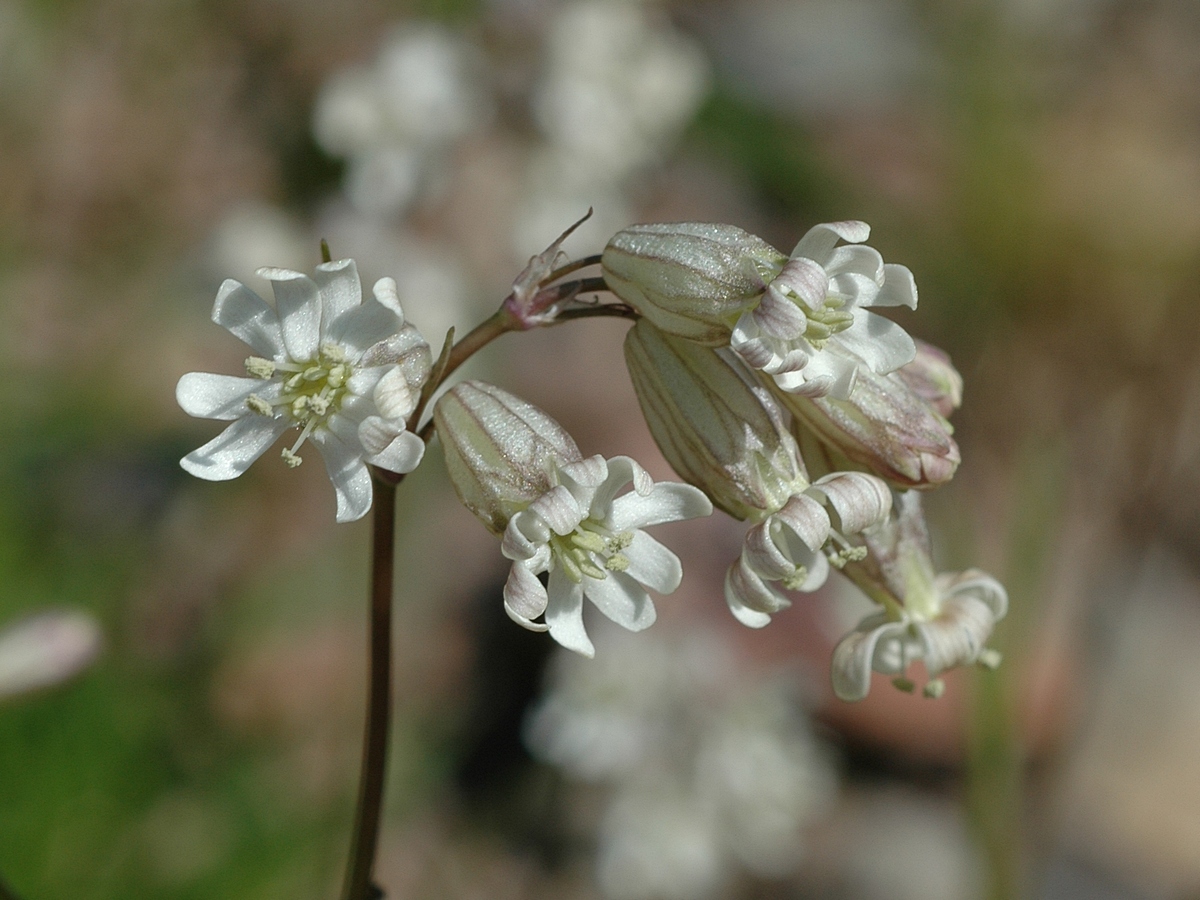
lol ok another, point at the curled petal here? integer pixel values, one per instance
(958, 635)
(982, 585)
(363, 326)
(763, 555)
(393, 396)
(403, 454)
(524, 536)
(807, 519)
(860, 500)
(856, 259)
(854, 657)
(818, 242)
(524, 597)
(780, 317)
(899, 287)
(826, 373)
(750, 599)
(558, 509)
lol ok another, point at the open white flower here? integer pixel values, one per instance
(592, 544)
(945, 620)
(796, 545)
(345, 372)
(811, 330)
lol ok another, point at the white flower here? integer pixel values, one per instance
(811, 330)
(944, 620)
(591, 543)
(949, 629)
(345, 372)
(796, 544)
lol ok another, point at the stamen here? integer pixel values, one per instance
(291, 458)
(934, 689)
(904, 684)
(588, 540)
(989, 658)
(257, 404)
(617, 562)
(570, 567)
(258, 367)
(796, 580)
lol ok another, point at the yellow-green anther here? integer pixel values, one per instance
(570, 567)
(258, 405)
(588, 540)
(291, 458)
(795, 581)
(337, 376)
(258, 367)
(314, 373)
(591, 569)
(934, 689)
(904, 684)
(989, 658)
(618, 562)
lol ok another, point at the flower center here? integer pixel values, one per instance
(591, 550)
(829, 315)
(311, 391)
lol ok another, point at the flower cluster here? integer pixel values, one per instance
(766, 380)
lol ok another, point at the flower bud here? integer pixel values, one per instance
(690, 279)
(716, 424)
(884, 427)
(933, 378)
(500, 451)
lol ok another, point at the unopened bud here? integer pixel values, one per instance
(933, 378)
(884, 427)
(500, 451)
(716, 424)
(690, 279)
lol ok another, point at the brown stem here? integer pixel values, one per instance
(365, 839)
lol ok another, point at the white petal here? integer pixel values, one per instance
(402, 455)
(393, 396)
(653, 564)
(621, 599)
(584, 477)
(807, 519)
(780, 317)
(748, 596)
(805, 278)
(827, 373)
(763, 555)
(958, 635)
(340, 288)
(250, 318)
(858, 260)
(819, 241)
(348, 472)
(982, 585)
(667, 502)
(231, 452)
(564, 614)
(859, 290)
(899, 287)
(299, 304)
(853, 657)
(517, 543)
(524, 597)
(558, 509)
(374, 320)
(209, 396)
(860, 500)
(882, 344)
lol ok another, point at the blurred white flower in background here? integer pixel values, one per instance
(710, 769)
(618, 87)
(46, 649)
(393, 121)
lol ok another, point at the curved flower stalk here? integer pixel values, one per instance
(512, 463)
(725, 432)
(345, 372)
(945, 620)
(803, 320)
